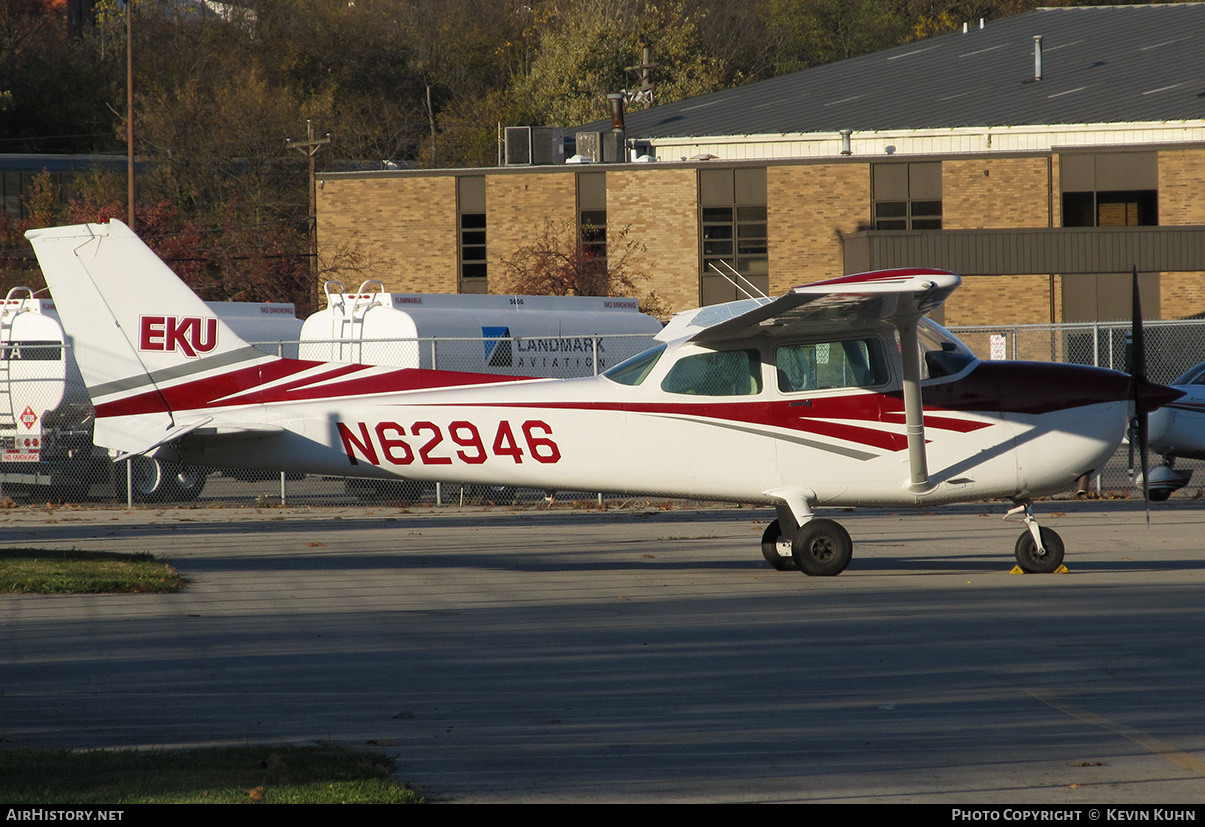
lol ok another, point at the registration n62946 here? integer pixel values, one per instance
(460, 441)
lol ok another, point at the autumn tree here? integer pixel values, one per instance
(592, 47)
(54, 92)
(564, 260)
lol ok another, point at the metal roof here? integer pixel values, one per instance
(1101, 64)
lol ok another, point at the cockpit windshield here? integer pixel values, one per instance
(635, 370)
(944, 354)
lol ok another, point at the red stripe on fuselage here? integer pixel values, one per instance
(215, 391)
(991, 388)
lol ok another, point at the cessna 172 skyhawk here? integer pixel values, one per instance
(812, 399)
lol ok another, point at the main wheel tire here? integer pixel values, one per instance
(822, 548)
(777, 549)
(149, 479)
(157, 481)
(1031, 561)
(1160, 495)
(183, 482)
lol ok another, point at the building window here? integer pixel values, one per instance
(1110, 189)
(907, 196)
(592, 215)
(470, 218)
(733, 233)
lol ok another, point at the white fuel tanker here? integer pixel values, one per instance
(46, 417)
(544, 336)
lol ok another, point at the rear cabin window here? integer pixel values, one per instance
(720, 373)
(852, 363)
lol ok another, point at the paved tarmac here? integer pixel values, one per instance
(639, 656)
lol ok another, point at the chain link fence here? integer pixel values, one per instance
(46, 418)
(1172, 347)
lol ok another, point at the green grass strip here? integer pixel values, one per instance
(48, 571)
(111, 779)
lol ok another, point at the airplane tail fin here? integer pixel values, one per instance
(137, 332)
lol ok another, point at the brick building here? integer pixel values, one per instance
(1042, 156)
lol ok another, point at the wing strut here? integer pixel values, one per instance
(914, 415)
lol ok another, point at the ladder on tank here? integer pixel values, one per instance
(347, 328)
(14, 304)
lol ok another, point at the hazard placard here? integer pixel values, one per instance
(29, 418)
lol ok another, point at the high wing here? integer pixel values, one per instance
(894, 296)
(899, 297)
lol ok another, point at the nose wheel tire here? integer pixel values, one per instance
(777, 549)
(822, 548)
(1030, 560)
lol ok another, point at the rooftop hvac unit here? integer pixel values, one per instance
(612, 147)
(601, 147)
(534, 145)
(589, 144)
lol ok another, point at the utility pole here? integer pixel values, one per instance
(130, 110)
(646, 67)
(310, 148)
(646, 76)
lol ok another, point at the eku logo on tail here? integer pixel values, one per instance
(188, 334)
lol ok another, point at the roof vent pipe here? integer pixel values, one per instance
(616, 99)
(845, 133)
(964, 27)
(1037, 57)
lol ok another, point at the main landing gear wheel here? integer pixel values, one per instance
(157, 481)
(1031, 560)
(149, 479)
(185, 483)
(777, 549)
(822, 548)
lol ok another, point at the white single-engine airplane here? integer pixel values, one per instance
(812, 399)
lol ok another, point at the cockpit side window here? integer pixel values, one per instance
(850, 363)
(635, 370)
(716, 373)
